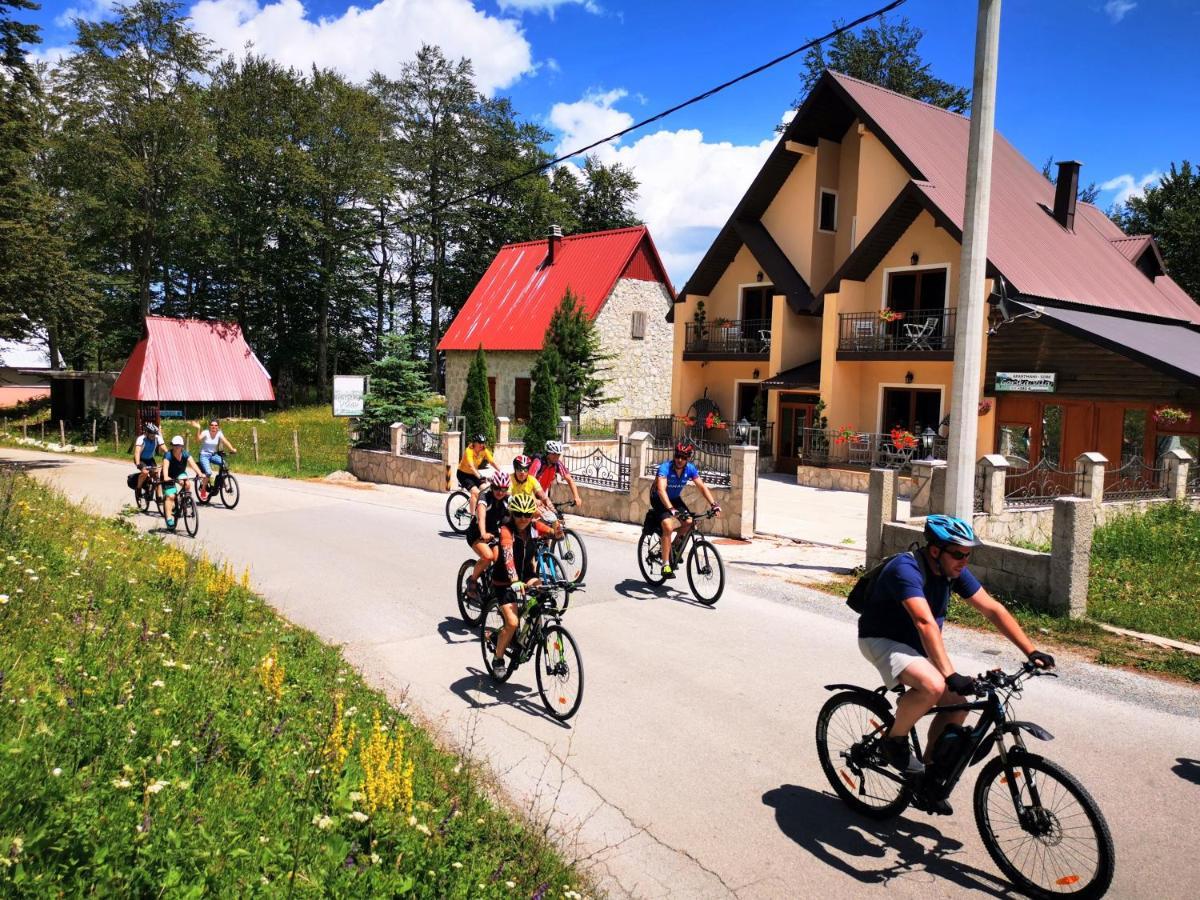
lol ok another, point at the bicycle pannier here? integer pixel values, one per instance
(131, 480)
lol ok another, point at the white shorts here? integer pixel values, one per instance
(889, 657)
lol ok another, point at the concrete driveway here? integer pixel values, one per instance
(812, 514)
(690, 769)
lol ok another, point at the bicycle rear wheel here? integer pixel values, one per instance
(850, 729)
(469, 608)
(458, 511)
(230, 492)
(143, 499)
(189, 512)
(572, 554)
(493, 622)
(705, 572)
(1057, 844)
(559, 672)
(650, 558)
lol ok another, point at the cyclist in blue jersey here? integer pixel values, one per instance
(666, 498)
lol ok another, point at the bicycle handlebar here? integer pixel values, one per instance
(565, 504)
(684, 516)
(997, 679)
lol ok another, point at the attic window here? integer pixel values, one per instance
(638, 330)
(828, 220)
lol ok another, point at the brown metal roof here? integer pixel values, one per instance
(806, 376)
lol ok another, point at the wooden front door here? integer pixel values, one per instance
(794, 418)
(521, 400)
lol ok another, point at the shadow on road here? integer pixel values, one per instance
(447, 533)
(870, 851)
(497, 693)
(841, 570)
(30, 465)
(636, 589)
(455, 631)
(1187, 769)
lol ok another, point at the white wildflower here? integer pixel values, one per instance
(322, 822)
(122, 783)
(155, 786)
(56, 771)
(359, 816)
(157, 683)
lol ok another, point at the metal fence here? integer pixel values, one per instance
(1135, 480)
(1039, 485)
(1193, 484)
(916, 332)
(672, 429)
(866, 450)
(422, 442)
(374, 436)
(599, 469)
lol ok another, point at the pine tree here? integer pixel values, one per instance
(574, 337)
(399, 390)
(543, 408)
(477, 404)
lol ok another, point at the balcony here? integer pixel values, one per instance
(748, 339)
(920, 334)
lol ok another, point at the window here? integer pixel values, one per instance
(1052, 427)
(638, 327)
(756, 304)
(1133, 435)
(521, 399)
(924, 289)
(1014, 444)
(492, 393)
(828, 219)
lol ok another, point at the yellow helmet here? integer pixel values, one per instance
(522, 505)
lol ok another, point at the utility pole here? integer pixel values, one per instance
(968, 332)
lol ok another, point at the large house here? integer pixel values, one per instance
(623, 287)
(836, 280)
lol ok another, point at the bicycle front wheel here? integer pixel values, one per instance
(458, 511)
(230, 492)
(143, 499)
(705, 572)
(572, 554)
(650, 558)
(559, 672)
(190, 513)
(470, 608)
(850, 729)
(1055, 842)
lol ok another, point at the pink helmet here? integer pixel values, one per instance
(522, 462)
(500, 480)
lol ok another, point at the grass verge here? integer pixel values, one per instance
(164, 732)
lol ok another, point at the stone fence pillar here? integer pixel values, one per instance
(502, 424)
(623, 427)
(1070, 554)
(925, 478)
(397, 438)
(1090, 469)
(1178, 464)
(995, 471)
(564, 429)
(641, 443)
(435, 426)
(883, 505)
(451, 451)
(743, 468)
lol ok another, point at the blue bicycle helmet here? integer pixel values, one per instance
(944, 531)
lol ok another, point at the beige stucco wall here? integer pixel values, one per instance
(719, 378)
(636, 378)
(880, 180)
(792, 205)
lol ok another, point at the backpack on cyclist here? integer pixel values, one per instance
(651, 523)
(860, 594)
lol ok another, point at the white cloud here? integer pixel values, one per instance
(548, 6)
(380, 37)
(49, 55)
(689, 186)
(1116, 10)
(1128, 186)
(91, 11)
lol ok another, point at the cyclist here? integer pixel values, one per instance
(490, 513)
(666, 498)
(900, 633)
(524, 484)
(475, 457)
(175, 466)
(516, 567)
(210, 440)
(148, 443)
(550, 466)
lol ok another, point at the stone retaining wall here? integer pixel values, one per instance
(382, 467)
(832, 478)
(1036, 526)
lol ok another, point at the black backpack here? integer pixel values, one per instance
(860, 595)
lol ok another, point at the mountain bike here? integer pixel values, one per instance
(147, 494)
(1040, 826)
(186, 509)
(569, 548)
(224, 484)
(705, 570)
(542, 638)
(458, 508)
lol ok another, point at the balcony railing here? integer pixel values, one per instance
(736, 339)
(919, 332)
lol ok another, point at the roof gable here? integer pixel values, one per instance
(511, 306)
(182, 360)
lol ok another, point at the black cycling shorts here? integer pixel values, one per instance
(467, 481)
(656, 504)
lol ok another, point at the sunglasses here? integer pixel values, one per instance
(522, 515)
(957, 554)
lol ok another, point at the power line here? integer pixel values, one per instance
(674, 109)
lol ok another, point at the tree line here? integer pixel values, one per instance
(146, 175)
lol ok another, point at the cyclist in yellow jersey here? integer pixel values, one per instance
(477, 456)
(524, 483)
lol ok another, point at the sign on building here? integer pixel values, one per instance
(1025, 382)
(348, 392)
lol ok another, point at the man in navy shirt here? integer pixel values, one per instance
(666, 498)
(900, 632)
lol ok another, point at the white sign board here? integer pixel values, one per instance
(1025, 382)
(348, 391)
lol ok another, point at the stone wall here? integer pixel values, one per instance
(383, 467)
(639, 379)
(1036, 526)
(506, 366)
(832, 478)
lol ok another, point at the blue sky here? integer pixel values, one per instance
(1109, 82)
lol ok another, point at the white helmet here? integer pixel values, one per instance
(177, 441)
(554, 447)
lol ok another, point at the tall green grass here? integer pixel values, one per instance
(164, 733)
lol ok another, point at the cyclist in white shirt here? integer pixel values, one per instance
(210, 440)
(149, 443)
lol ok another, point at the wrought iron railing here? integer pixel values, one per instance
(739, 337)
(1135, 480)
(422, 442)
(713, 460)
(1039, 485)
(1193, 483)
(599, 469)
(814, 446)
(919, 331)
(374, 436)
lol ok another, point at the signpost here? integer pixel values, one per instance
(1025, 382)
(348, 392)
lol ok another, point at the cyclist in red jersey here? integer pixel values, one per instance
(546, 468)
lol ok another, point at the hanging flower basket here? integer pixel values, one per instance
(887, 314)
(985, 406)
(1172, 416)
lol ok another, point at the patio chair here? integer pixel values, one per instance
(865, 335)
(764, 340)
(917, 334)
(893, 457)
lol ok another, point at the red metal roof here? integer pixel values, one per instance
(511, 306)
(1131, 247)
(1037, 255)
(189, 359)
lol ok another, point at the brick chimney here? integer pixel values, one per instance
(552, 241)
(1066, 190)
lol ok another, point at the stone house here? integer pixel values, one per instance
(623, 286)
(835, 280)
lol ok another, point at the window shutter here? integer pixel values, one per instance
(639, 325)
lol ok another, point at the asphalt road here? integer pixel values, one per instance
(690, 769)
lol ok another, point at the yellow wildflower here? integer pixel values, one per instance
(270, 674)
